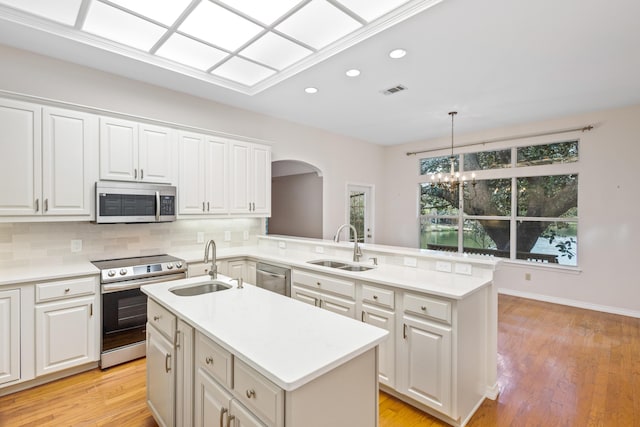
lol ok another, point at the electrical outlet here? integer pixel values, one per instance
(319, 249)
(282, 245)
(527, 276)
(463, 269)
(410, 261)
(200, 238)
(227, 236)
(443, 266)
(76, 245)
(245, 234)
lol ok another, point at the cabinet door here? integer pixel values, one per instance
(191, 185)
(242, 417)
(69, 161)
(338, 305)
(160, 377)
(425, 366)
(9, 335)
(240, 193)
(155, 151)
(386, 351)
(211, 401)
(216, 176)
(236, 269)
(118, 149)
(65, 334)
(305, 295)
(250, 270)
(261, 179)
(20, 161)
(184, 375)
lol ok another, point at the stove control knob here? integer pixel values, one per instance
(178, 264)
(170, 265)
(123, 271)
(111, 273)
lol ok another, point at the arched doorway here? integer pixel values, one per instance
(296, 199)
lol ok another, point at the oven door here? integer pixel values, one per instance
(124, 316)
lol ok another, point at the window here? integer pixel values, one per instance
(523, 205)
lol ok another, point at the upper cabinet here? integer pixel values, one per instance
(47, 166)
(250, 178)
(131, 151)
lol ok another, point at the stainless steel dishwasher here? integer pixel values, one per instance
(274, 278)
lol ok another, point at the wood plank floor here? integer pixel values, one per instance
(558, 366)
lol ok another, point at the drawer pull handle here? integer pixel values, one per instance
(423, 308)
(209, 360)
(404, 331)
(251, 393)
(318, 283)
(375, 297)
(67, 290)
(231, 418)
(156, 318)
(167, 362)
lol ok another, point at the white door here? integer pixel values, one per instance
(20, 159)
(118, 149)
(360, 211)
(386, 351)
(69, 161)
(211, 401)
(216, 176)
(9, 335)
(65, 334)
(160, 377)
(191, 186)
(155, 154)
(426, 363)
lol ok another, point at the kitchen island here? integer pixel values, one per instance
(259, 357)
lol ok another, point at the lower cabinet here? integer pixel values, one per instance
(328, 292)
(9, 335)
(383, 319)
(67, 324)
(184, 374)
(160, 377)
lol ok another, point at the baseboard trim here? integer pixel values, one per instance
(571, 303)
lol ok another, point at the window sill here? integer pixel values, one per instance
(541, 266)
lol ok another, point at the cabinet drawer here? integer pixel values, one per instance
(161, 318)
(329, 284)
(379, 296)
(65, 288)
(214, 359)
(259, 394)
(429, 307)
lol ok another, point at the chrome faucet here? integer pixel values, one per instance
(213, 271)
(357, 253)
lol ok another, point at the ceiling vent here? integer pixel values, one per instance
(393, 90)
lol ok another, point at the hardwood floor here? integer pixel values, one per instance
(558, 366)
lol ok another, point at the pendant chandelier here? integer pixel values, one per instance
(453, 180)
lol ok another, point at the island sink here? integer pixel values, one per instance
(200, 288)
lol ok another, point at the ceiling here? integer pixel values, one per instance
(497, 62)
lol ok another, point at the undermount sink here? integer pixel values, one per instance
(200, 288)
(340, 265)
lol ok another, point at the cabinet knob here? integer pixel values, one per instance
(423, 308)
(156, 318)
(209, 360)
(251, 393)
(318, 283)
(375, 297)
(66, 290)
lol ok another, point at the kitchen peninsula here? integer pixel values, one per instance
(260, 358)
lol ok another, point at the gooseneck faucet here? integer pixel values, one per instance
(357, 253)
(211, 246)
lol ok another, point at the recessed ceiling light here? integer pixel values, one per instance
(397, 53)
(353, 72)
(311, 90)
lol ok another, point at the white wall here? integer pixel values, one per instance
(340, 158)
(608, 199)
(296, 205)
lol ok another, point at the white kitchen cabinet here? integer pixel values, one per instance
(66, 333)
(236, 269)
(384, 319)
(132, 151)
(196, 269)
(250, 171)
(425, 363)
(184, 374)
(203, 181)
(331, 303)
(160, 376)
(9, 335)
(48, 162)
(328, 292)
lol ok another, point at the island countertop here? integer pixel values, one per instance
(289, 342)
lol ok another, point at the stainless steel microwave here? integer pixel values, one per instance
(125, 202)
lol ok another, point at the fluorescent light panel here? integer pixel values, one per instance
(184, 50)
(275, 51)
(63, 11)
(243, 71)
(265, 11)
(165, 12)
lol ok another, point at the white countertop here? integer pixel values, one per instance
(43, 272)
(289, 342)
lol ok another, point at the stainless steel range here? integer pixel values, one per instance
(124, 306)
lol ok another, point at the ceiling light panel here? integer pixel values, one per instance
(371, 10)
(266, 12)
(164, 12)
(318, 24)
(186, 51)
(218, 26)
(63, 11)
(275, 51)
(121, 27)
(243, 71)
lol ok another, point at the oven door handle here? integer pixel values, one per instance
(134, 284)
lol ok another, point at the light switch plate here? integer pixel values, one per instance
(282, 245)
(200, 237)
(227, 236)
(410, 261)
(319, 249)
(443, 266)
(245, 234)
(463, 269)
(76, 245)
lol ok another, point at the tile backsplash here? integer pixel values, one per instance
(51, 242)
